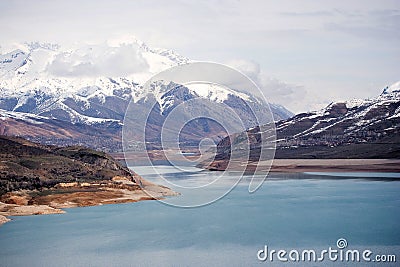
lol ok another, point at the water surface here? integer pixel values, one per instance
(290, 211)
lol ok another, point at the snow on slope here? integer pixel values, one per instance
(10, 62)
(37, 119)
(394, 87)
(43, 76)
(215, 92)
(349, 117)
(31, 118)
(40, 67)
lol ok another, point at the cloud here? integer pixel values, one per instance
(247, 67)
(335, 48)
(290, 95)
(99, 60)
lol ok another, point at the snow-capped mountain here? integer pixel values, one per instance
(92, 85)
(12, 61)
(342, 122)
(368, 128)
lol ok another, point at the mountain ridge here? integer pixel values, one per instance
(367, 128)
(29, 85)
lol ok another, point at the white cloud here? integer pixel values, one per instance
(247, 67)
(330, 49)
(291, 96)
(99, 60)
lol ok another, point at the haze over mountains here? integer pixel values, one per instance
(79, 95)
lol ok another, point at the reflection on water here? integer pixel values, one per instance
(289, 211)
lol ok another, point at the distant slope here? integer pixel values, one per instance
(354, 129)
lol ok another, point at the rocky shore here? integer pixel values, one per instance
(3, 219)
(37, 179)
(52, 201)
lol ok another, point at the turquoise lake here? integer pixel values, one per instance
(290, 211)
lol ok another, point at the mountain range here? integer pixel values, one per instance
(79, 95)
(368, 128)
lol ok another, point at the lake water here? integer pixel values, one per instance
(290, 211)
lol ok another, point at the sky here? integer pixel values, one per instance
(303, 54)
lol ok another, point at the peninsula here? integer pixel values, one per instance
(37, 179)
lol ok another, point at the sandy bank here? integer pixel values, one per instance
(312, 165)
(51, 201)
(336, 165)
(22, 210)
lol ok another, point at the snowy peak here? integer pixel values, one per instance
(37, 45)
(391, 92)
(115, 69)
(172, 55)
(44, 65)
(352, 129)
(171, 94)
(394, 88)
(216, 92)
(12, 61)
(91, 85)
(345, 122)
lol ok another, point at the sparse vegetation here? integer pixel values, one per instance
(30, 166)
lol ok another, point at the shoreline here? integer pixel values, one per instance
(336, 165)
(27, 203)
(311, 165)
(22, 203)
